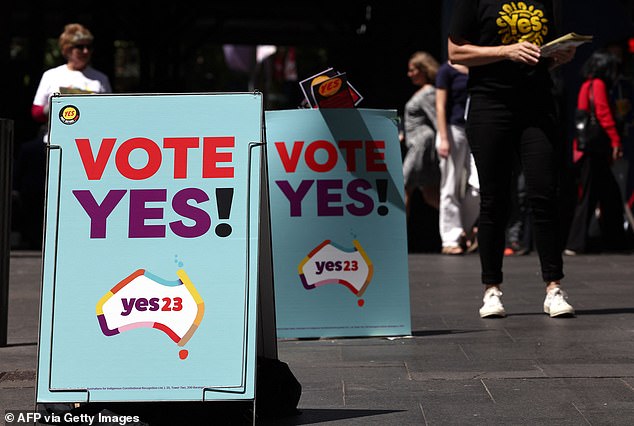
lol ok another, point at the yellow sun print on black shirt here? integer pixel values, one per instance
(519, 22)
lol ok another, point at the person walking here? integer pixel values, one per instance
(597, 184)
(420, 164)
(459, 193)
(512, 111)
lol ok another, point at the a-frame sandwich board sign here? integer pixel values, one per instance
(151, 252)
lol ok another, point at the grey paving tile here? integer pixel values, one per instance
(588, 369)
(19, 395)
(564, 401)
(475, 370)
(18, 357)
(308, 352)
(323, 394)
(350, 416)
(455, 402)
(377, 372)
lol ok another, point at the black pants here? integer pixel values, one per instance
(598, 187)
(498, 130)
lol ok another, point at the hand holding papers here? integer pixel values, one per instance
(563, 42)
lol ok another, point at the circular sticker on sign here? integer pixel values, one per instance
(330, 88)
(69, 114)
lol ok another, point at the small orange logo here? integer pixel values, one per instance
(330, 87)
(69, 114)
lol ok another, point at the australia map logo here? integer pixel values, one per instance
(143, 300)
(329, 263)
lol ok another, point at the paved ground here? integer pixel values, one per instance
(455, 369)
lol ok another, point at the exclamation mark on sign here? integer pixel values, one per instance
(381, 190)
(224, 198)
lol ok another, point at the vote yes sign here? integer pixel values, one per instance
(336, 188)
(150, 255)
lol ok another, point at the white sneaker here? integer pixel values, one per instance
(492, 306)
(555, 303)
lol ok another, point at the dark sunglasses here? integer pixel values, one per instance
(82, 46)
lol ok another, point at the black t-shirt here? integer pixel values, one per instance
(494, 23)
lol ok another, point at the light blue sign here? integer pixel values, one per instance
(338, 223)
(150, 256)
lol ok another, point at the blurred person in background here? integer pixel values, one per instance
(420, 165)
(597, 184)
(459, 193)
(74, 76)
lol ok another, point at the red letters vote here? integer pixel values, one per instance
(216, 151)
(373, 152)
